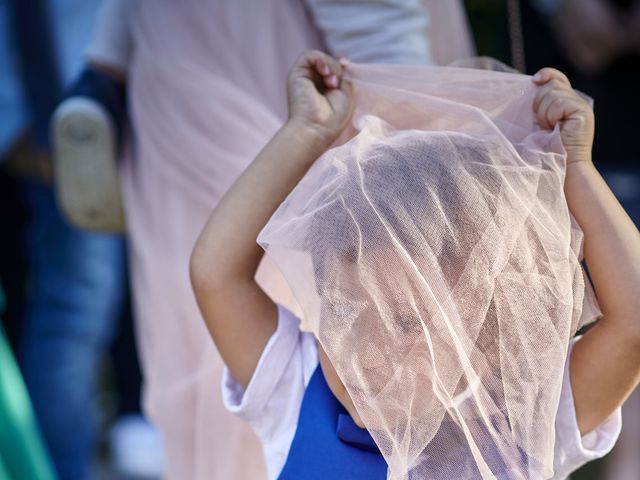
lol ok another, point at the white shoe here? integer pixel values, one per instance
(136, 449)
(85, 166)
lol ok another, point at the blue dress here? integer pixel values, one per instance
(328, 445)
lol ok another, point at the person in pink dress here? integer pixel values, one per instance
(205, 88)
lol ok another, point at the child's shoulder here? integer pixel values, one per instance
(571, 449)
(271, 403)
(284, 370)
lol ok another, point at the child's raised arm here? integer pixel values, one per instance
(605, 363)
(239, 315)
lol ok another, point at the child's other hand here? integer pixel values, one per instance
(556, 102)
(318, 96)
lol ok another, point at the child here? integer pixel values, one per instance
(271, 380)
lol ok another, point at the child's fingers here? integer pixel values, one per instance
(331, 81)
(556, 107)
(558, 111)
(541, 110)
(553, 87)
(314, 63)
(551, 112)
(325, 66)
(547, 74)
(322, 67)
(331, 71)
(345, 90)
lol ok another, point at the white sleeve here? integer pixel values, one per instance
(271, 403)
(374, 31)
(571, 450)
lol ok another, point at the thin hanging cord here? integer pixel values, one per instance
(516, 36)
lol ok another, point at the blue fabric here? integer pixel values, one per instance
(13, 108)
(77, 280)
(104, 90)
(328, 445)
(38, 64)
(71, 25)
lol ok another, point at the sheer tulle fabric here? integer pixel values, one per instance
(434, 256)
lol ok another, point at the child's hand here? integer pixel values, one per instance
(556, 102)
(318, 96)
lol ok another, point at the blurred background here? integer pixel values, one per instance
(70, 382)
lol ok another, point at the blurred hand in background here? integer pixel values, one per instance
(593, 33)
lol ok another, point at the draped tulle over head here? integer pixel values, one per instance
(434, 256)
